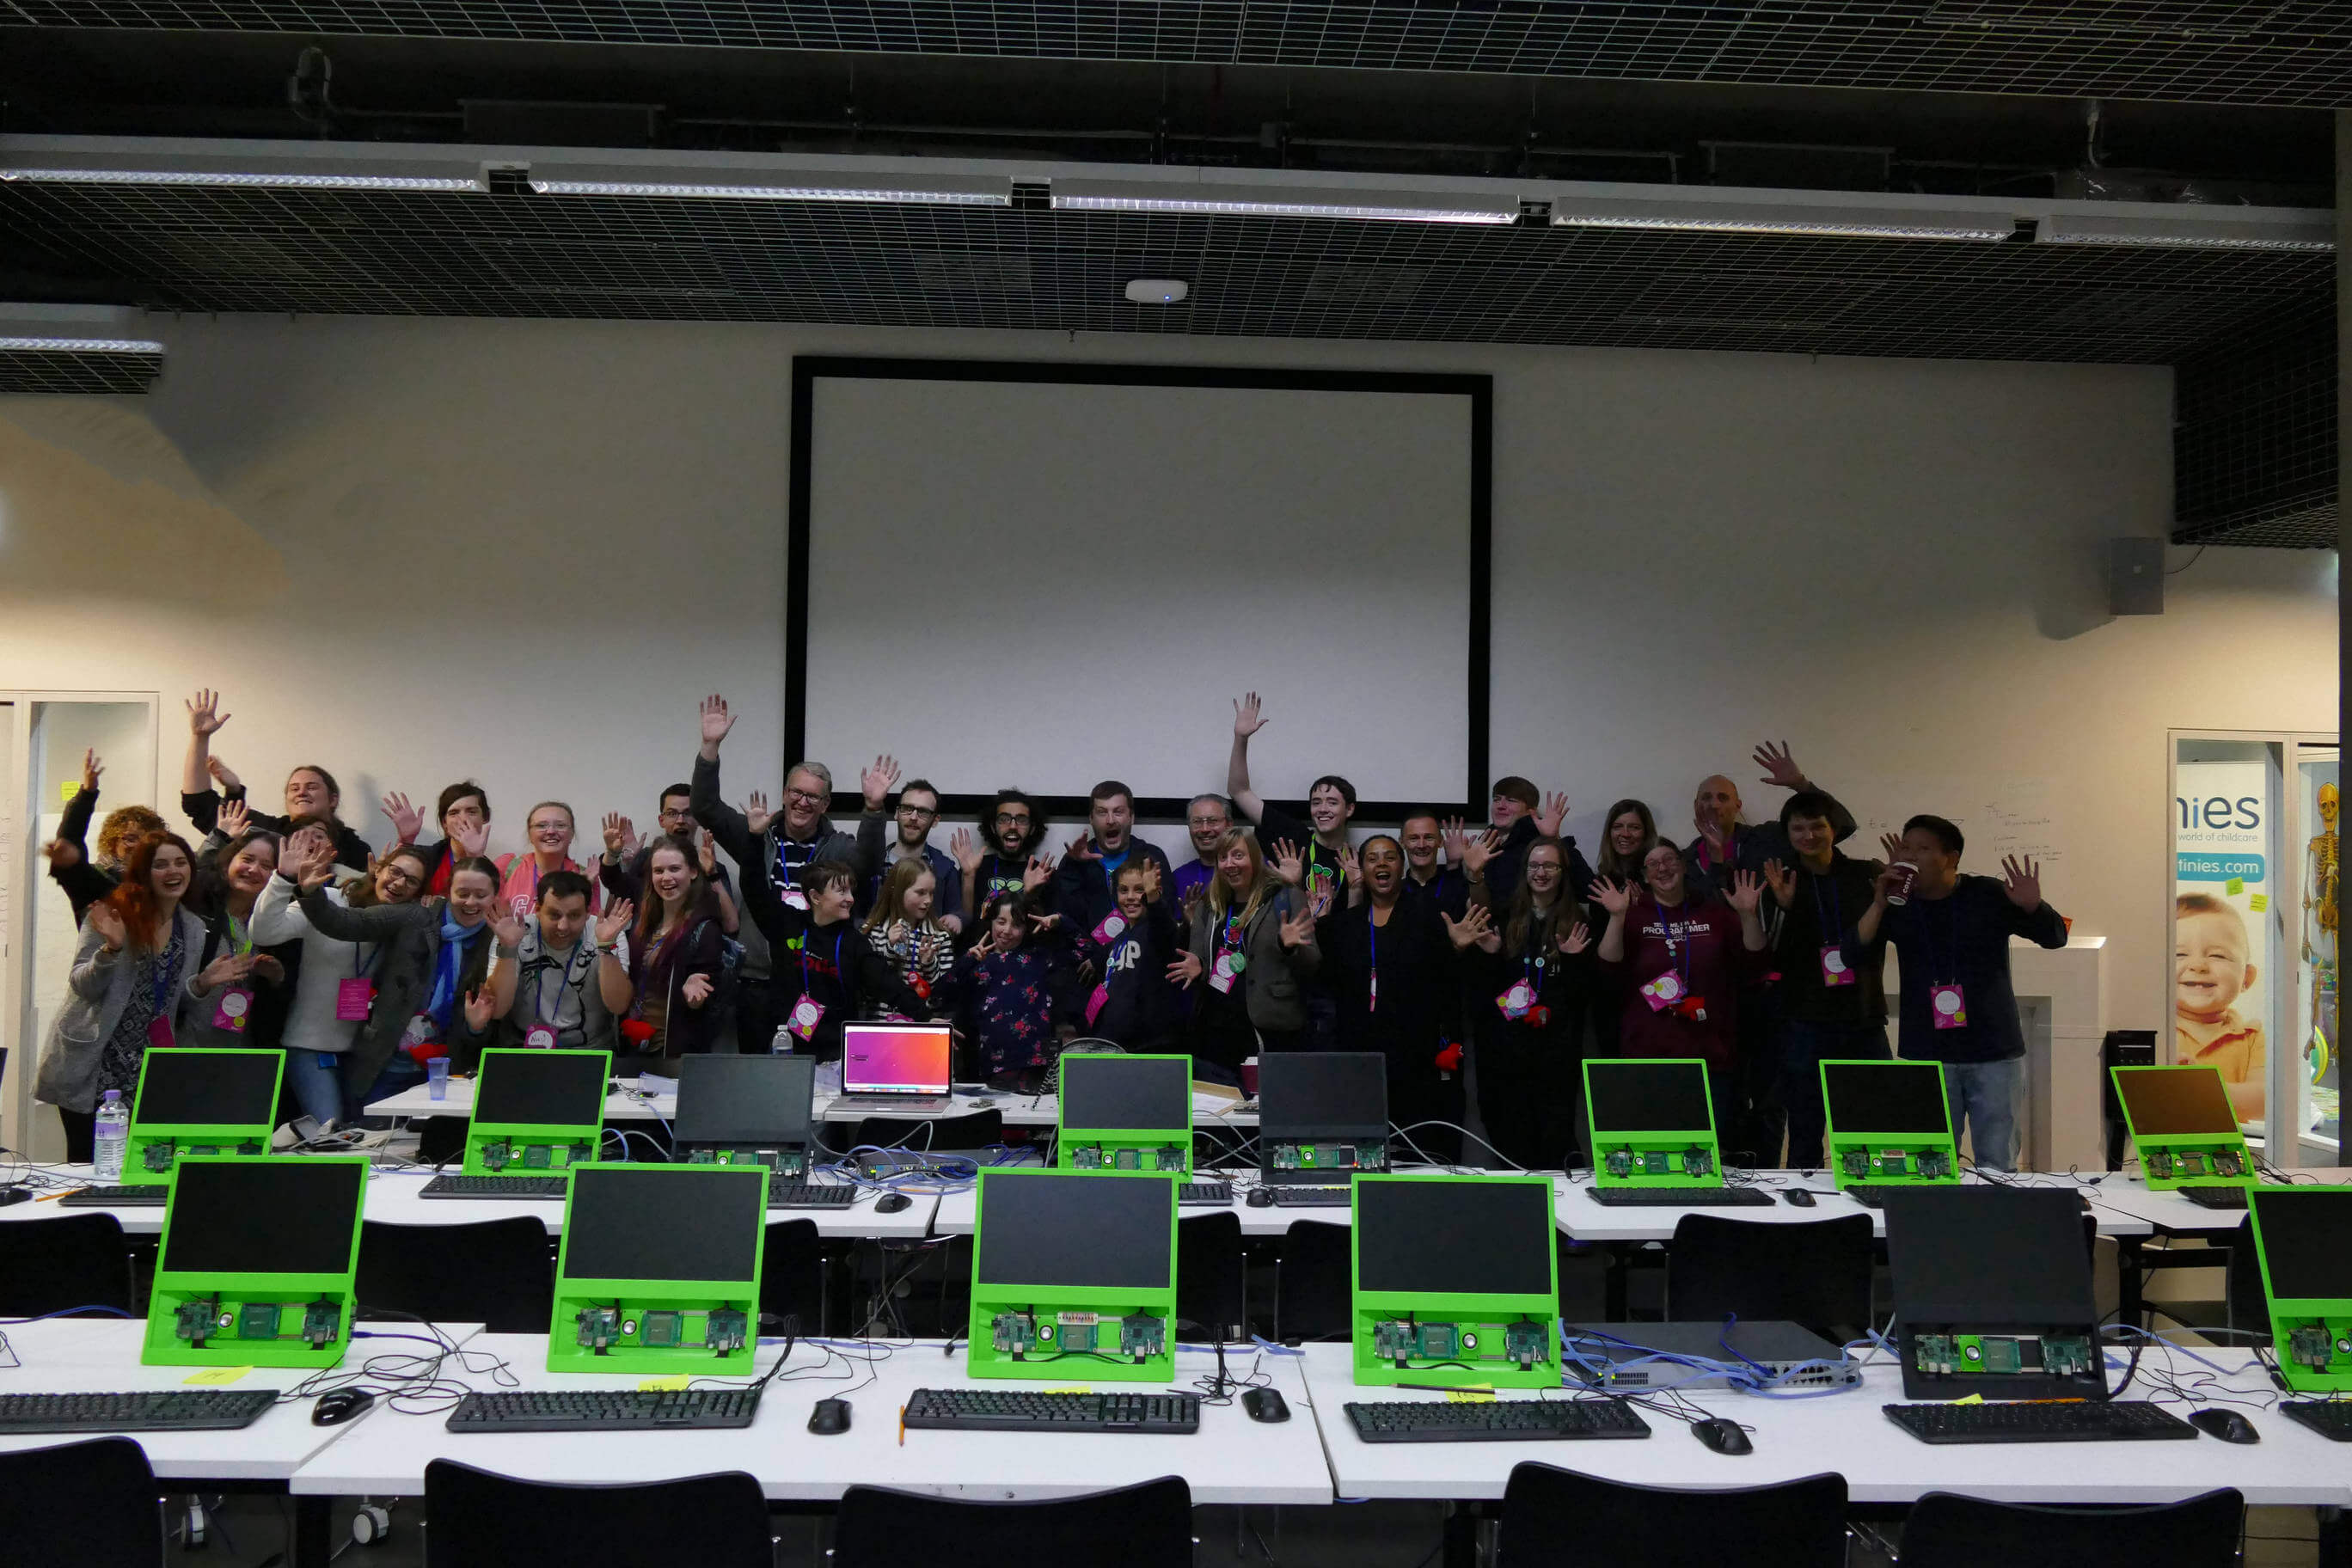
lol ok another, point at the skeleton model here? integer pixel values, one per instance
(2323, 862)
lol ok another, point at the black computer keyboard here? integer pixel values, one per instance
(151, 1410)
(2331, 1418)
(1682, 1197)
(1205, 1192)
(1014, 1410)
(2214, 1195)
(1291, 1197)
(611, 1410)
(811, 1195)
(2089, 1421)
(153, 1196)
(496, 1187)
(1499, 1421)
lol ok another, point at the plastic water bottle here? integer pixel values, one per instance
(111, 1137)
(782, 1045)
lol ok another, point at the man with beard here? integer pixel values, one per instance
(917, 812)
(1003, 858)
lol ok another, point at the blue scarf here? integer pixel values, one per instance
(456, 940)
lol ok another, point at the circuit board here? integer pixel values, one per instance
(1881, 1165)
(201, 1320)
(2188, 1164)
(718, 1331)
(1135, 1336)
(780, 1161)
(2051, 1356)
(498, 1157)
(1694, 1161)
(1331, 1156)
(1095, 1157)
(1401, 1342)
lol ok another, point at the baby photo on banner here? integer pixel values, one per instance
(2221, 921)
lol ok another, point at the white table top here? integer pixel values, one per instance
(2171, 1213)
(1586, 1220)
(101, 1355)
(1847, 1433)
(1232, 1460)
(625, 1104)
(628, 1105)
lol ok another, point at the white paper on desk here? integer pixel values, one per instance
(654, 1083)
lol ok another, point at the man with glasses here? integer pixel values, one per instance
(917, 812)
(999, 860)
(621, 870)
(1207, 819)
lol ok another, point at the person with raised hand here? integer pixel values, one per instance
(1517, 816)
(463, 810)
(825, 973)
(675, 960)
(1529, 982)
(248, 1007)
(548, 829)
(1004, 858)
(1002, 989)
(136, 967)
(311, 793)
(83, 879)
(1393, 976)
(1250, 951)
(1727, 842)
(571, 969)
(905, 834)
(1082, 890)
(1132, 1005)
(621, 869)
(1679, 950)
(1951, 948)
(1825, 1009)
(777, 857)
(1330, 804)
(905, 928)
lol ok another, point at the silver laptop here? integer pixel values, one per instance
(896, 1069)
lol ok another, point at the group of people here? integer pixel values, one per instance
(1494, 953)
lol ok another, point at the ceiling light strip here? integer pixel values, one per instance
(79, 346)
(771, 193)
(250, 180)
(1281, 209)
(1840, 229)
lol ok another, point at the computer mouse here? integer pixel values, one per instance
(339, 1406)
(890, 1203)
(829, 1417)
(1801, 1197)
(1265, 1405)
(2226, 1424)
(1722, 1436)
(1260, 1198)
(982, 1103)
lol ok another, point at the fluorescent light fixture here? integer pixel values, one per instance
(234, 165)
(773, 192)
(1285, 193)
(1238, 208)
(255, 178)
(1753, 212)
(79, 346)
(2192, 227)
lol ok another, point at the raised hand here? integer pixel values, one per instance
(1298, 930)
(1288, 864)
(697, 990)
(1456, 840)
(1892, 846)
(506, 925)
(1575, 939)
(620, 835)
(90, 768)
(614, 921)
(1615, 898)
(226, 970)
(205, 717)
(878, 781)
(1745, 893)
(223, 774)
(926, 954)
(1184, 971)
(1783, 882)
(1780, 766)
(757, 814)
(478, 1004)
(1351, 868)
(1080, 848)
(471, 839)
(986, 947)
(2021, 880)
(963, 848)
(1476, 852)
(1043, 923)
(407, 822)
(1554, 812)
(1037, 873)
(61, 854)
(232, 821)
(307, 857)
(1151, 881)
(103, 919)
(706, 852)
(1247, 719)
(716, 722)
(267, 968)
(1474, 923)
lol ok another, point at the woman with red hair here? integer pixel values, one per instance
(140, 962)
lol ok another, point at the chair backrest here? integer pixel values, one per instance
(1947, 1531)
(499, 1273)
(440, 1138)
(475, 1519)
(1553, 1518)
(80, 1505)
(1313, 1299)
(61, 1261)
(1209, 1280)
(792, 1273)
(2248, 1304)
(1144, 1526)
(1815, 1273)
(973, 1129)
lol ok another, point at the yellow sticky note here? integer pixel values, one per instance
(69, 789)
(663, 1384)
(2259, 902)
(1469, 1397)
(216, 1376)
(2234, 885)
(1070, 1388)
(1970, 1399)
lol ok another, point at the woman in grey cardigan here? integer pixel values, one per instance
(137, 970)
(435, 992)
(1251, 946)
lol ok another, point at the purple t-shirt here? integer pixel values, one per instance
(1190, 877)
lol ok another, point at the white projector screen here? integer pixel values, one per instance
(1043, 575)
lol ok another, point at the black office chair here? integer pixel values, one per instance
(1947, 1531)
(2247, 1303)
(792, 1273)
(973, 1129)
(63, 1261)
(440, 1138)
(1145, 1526)
(496, 1273)
(474, 1519)
(1815, 1273)
(1312, 1299)
(1555, 1518)
(1208, 1279)
(80, 1505)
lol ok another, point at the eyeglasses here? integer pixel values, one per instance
(805, 797)
(1008, 820)
(923, 811)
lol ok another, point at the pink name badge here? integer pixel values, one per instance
(1833, 969)
(539, 1038)
(355, 1000)
(795, 899)
(158, 1034)
(1664, 991)
(1516, 1002)
(807, 1013)
(1095, 1004)
(1947, 1007)
(230, 1012)
(1222, 973)
(1112, 925)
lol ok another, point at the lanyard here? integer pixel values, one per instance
(539, 986)
(1833, 919)
(1678, 949)
(836, 964)
(1227, 941)
(790, 866)
(240, 936)
(167, 967)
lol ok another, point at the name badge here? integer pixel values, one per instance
(1947, 1006)
(1519, 1001)
(539, 1038)
(1095, 1003)
(230, 1012)
(355, 1000)
(1664, 991)
(1110, 928)
(158, 1034)
(1833, 969)
(807, 1013)
(795, 900)
(1222, 974)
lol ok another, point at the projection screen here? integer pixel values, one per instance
(1043, 575)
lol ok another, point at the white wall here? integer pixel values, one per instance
(415, 550)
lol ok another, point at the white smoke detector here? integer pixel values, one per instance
(1158, 290)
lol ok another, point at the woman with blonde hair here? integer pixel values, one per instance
(1251, 950)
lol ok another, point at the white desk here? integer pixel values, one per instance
(2167, 1213)
(1232, 1460)
(1848, 1433)
(624, 1104)
(1586, 1220)
(136, 1220)
(394, 1197)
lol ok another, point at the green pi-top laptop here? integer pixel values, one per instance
(1890, 1125)
(192, 1100)
(1074, 1276)
(537, 1113)
(1125, 1114)
(2184, 1127)
(659, 1270)
(1654, 1138)
(1456, 1280)
(2304, 1236)
(256, 1262)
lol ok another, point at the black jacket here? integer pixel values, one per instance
(834, 965)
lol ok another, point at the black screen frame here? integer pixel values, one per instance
(508, 1062)
(799, 1067)
(665, 1187)
(1274, 1123)
(2279, 1257)
(198, 1184)
(1597, 1071)
(1432, 1226)
(808, 369)
(1079, 1065)
(1894, 1072)
(1108, 1191)
(264, 1067)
